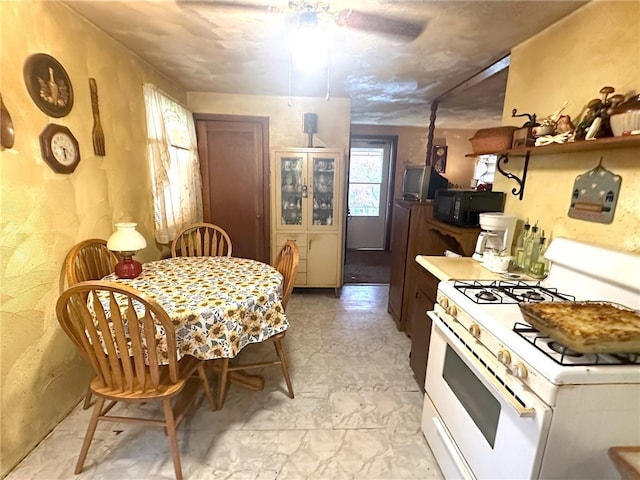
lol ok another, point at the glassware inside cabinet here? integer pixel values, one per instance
(323, 189)
(291, 191)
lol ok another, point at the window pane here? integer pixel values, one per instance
(365, 165)
(364, 199)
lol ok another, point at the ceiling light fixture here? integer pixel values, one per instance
(309, 46)
(309, 43)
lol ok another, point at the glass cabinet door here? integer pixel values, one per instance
(323, 198)
(291, 187)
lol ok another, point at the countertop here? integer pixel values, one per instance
(456, 268)
(627, 461)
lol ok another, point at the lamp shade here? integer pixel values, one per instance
(126, 238)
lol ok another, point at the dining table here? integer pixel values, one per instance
(218, 304)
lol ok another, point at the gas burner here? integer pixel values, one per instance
(522, 292)
(563, 350)
(533, 296)
(486, 295)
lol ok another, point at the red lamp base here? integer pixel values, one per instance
(128, 268)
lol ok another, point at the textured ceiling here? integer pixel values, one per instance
(391, 80)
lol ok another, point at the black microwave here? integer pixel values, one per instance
(463, 207)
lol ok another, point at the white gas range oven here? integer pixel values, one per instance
(504, 401)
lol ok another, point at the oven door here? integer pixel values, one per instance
(479, 421)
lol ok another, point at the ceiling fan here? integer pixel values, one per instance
(308, 11)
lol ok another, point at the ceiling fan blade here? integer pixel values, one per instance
(378, 23)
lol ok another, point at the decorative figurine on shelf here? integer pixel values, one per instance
(595, 122)
(555, 128)
(565, 124)
(548, 124)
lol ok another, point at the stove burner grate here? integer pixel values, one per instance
(565, 356)
(502, 291)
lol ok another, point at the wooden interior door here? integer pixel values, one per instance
(234, 161)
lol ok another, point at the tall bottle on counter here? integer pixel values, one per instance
(538, 264)
(518, 253)
(530, 243)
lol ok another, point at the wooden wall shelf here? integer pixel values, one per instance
(609, 143)
(579, 146)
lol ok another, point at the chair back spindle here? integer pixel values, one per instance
(89, 260)
(124, 346)
(287, 264)
(201, 240)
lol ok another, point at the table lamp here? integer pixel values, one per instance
(126, 241)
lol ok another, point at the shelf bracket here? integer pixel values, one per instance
(519, 190)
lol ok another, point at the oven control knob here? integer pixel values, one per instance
(474, 330)
(444, 302)
(504, 357)
(520, 371)
(453, 311)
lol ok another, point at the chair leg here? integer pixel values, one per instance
(91, 430)
(206, 386)
(173, 438)
(87, 399)
(283, 364)
(222, 385)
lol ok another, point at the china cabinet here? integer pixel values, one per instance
(308, 208)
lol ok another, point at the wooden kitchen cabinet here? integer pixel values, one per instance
(307, 206)
(424, 290)
(406, 243)
(434, 237)
(444, 236)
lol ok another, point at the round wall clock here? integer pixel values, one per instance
(59, 148)
(48, 85)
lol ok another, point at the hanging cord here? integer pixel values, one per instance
(328, 96)
(290, 102)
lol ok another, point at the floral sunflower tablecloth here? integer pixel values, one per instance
(217, 304)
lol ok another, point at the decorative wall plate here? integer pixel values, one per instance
(48, 85)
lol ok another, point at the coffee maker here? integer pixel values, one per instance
(496, 236)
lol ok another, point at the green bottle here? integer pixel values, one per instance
(538, 264)
(518, 253)
(530, 243)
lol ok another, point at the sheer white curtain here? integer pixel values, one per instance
(175, 170)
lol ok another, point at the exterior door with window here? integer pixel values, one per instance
(368, 193)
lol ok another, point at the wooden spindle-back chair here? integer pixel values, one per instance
(201, 240)
(286, 263)
(130, 342)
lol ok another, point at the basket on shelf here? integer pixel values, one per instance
(491, 140)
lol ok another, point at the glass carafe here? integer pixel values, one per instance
(494, 242)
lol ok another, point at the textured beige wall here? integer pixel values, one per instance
(285, 122)
(43, 213)
(570, 61)
(412, 148)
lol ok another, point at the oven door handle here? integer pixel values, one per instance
(483, 367)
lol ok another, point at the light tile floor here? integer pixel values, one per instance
(356, 412)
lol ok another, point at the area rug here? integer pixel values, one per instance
(367, 266)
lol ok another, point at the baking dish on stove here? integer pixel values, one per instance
(587, 327)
